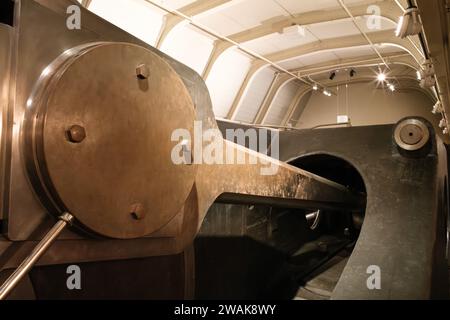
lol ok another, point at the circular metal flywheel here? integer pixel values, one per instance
(97, 139)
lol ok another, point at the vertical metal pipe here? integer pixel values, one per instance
(34, 256)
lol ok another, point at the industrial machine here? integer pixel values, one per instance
(88, 180)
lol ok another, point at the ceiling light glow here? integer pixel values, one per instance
(391, 87)
(381, 77)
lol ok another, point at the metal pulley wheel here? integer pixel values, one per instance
(411, 134)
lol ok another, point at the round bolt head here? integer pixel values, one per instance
(137, 211)
(76, 134)
(143, 71)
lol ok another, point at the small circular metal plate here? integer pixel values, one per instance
(411, 134)
(114, 173)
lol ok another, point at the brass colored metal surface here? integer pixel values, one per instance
(8, 286)
(92, 124)
(102, 140)
(98, 144)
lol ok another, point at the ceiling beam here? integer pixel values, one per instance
(317, 47)
(279, 81)
(366, 76)
(191, 10)
(392, 58)
(377, 37)
(86, 3)
(400, 78)
(220, 47)
(303, 90)
(388, 9)
(407, 83)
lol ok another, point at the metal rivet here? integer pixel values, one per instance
(137, 211)
(143, 71)
(76, 134)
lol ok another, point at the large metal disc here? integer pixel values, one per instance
(106, 140)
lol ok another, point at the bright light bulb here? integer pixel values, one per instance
(381, 77)
(315, 87)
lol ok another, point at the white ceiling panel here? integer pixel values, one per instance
(292, 64)
(299, 6)
(318, 57)
(279, 41)
(344, 53)
(370, 24)
(354, 52)
(174, 4)
(241, 15)
(333, 29)
(146, 21)
(188, 46)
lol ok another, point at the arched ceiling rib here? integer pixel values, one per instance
(364, 74)
(192, 9)
(388, 10)
(308, 14)
(320, 46)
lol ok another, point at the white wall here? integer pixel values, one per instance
(137, 17)
(281, 103)
(256, 92)
(366, 106)
(188, 46)
(226, 78)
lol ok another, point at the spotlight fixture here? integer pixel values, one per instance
(381, 77)
(437, 108)
(419, 75)
(426, 75)
(352, 73)
(315, 87)
(332, 75)
(409, 24)
(326, 92)
(428, 82)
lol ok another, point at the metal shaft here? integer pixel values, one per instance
(34, 256)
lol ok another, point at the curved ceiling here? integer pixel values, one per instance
(309, 39)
